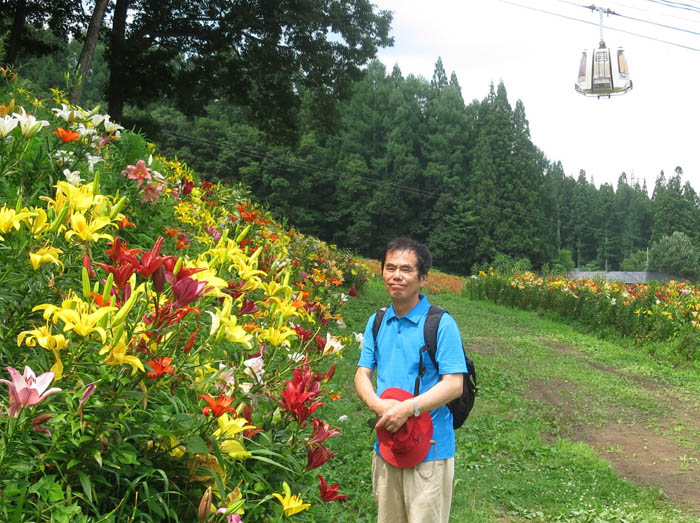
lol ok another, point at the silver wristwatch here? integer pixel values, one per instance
(416, 407)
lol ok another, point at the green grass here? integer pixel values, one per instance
(516, 459)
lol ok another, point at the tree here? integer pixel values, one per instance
(256, 53)
(675, 254)
(36, 26)
(86, 55)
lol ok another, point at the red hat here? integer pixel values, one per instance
(409, 445)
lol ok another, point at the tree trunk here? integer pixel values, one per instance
(17, 30)
(88, 51)
(117, 69)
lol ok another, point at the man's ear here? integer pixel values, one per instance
(423, 280)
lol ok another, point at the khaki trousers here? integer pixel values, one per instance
(421, 494)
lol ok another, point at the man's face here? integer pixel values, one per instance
(401, 278)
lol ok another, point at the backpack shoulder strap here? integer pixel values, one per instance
(377, 323)
(430, 332)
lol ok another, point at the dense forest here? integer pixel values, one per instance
(339, 146)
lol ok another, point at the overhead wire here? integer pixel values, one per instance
(677, 5)
(615, 13)
(688, 47)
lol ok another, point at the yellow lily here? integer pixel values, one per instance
(10, 218)
(272, 288)
(277, 336)
(290, 504)
(118, 356)
(228, 429)
(42, 336)
(46, 254)
(39, 224)
(87, 231)
(227, 325)
(81, 321)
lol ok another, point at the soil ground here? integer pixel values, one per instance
(650, 448)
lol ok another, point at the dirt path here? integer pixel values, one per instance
(659, 448)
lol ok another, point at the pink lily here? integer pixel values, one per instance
(26, 390)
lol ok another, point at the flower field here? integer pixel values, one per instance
(165, 345)
(437, 282)
(646, 312)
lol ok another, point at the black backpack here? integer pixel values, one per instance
(460, 407)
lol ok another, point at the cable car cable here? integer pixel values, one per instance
(597, 25)
(675, 5)
(615, 13)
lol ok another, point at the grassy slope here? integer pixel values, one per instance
(505, 469)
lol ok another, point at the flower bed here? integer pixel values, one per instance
(646, 312)
(166, 343)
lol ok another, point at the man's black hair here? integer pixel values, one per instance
(425, 260)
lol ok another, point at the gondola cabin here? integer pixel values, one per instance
(603, 72)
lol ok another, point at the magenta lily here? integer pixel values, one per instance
(26, 390)
(186, 290)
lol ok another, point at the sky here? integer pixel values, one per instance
(653, 127)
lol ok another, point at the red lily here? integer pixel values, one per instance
(160, 366)
(217, 406)
(186, 290)
(187, 186)
(320, 433)
(247, 307)
(317, 457)
(329, 492)
(248, 415)
(352, 292)
(320, 342)
(151, 260)
(303, 389)
(121, 254)
(303, 334)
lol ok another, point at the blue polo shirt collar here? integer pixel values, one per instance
(414, 315)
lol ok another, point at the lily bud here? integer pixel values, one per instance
(118, 207)
(204, 506)
(159, 279)
(59, 219)
(243, 234)
(86, 283)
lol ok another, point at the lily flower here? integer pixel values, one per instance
(7, 124)
(160, 366)
(320, 433)
(10, 218)
(43, 337)
(26, 390)
(81, 321)
(46, 254)
(118, 356)
(217, 406)
(138, 172)
(66, 135)
(329, 492)
(318, 456)
(186, 290)
(87, 231)
(290, 504)
(29, 124)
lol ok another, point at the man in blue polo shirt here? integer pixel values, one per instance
(422, 493)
